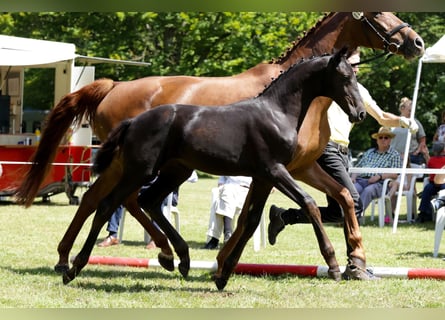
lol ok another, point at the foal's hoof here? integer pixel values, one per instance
(166, 261)
(184, 268)
(66, 279)
(220, 282)
(61, 268)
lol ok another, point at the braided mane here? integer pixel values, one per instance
(284, 73)
(284, 56)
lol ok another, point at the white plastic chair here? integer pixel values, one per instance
(384, 202)
(440, 225)
(384, 206)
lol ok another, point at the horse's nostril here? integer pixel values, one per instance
(362, 116)
(419, 43)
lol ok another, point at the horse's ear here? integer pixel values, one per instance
(336, 58)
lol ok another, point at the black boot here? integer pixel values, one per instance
(276, 223)
(212, 244)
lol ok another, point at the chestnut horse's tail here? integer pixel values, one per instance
(71, 108)
(106, 153)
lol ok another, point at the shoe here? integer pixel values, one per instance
(276, 223)
(437, 203)
(227, 236)
(212, 244)
(151, 245)
(423, 217)
(353, 272)
(109, 241)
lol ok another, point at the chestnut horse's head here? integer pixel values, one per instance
(384, 30)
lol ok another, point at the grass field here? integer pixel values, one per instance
(29, 239)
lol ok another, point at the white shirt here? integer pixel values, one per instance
(339, 121)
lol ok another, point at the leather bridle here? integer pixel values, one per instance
(389, 45)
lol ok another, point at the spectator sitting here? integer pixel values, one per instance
(370, 185)
(431, 189)
(227, 199)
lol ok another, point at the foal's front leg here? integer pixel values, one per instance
(328, 185)
(287, 185)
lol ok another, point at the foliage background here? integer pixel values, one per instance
(221, 44)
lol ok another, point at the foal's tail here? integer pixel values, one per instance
(106, 153)
(71, 108)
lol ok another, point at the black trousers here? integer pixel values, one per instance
(335, 162)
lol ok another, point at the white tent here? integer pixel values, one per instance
(433, 54)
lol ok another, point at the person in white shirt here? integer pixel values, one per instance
(227, 200)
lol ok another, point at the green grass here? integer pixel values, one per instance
(29, 239)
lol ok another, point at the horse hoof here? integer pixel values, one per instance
(166, 261)
(66, 279)
(184, 268)
(220, 282)
(336, 275)
(61, 268)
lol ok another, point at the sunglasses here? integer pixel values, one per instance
(384, 137)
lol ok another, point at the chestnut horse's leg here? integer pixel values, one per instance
(104, 211)
(247, 223)
(328, 185)
(101, 187)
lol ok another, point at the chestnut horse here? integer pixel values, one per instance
(273, 138)
(106, 103)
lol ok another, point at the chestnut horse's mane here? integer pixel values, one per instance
(285, 55)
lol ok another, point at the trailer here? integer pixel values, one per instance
(18, 139)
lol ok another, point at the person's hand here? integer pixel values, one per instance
(407, 123)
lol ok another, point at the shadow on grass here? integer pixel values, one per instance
(100, 279)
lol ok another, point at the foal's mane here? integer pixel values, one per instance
(285, 55)
(285, 73)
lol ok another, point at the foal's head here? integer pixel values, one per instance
(341, 85)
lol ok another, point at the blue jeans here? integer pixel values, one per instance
(113, 223)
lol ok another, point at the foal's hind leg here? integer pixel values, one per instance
(101, 187)
(165, 257)
(150, 200)
(248, 221)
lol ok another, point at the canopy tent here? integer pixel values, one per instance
(433, 54)
(18, 54)
(16, 51)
